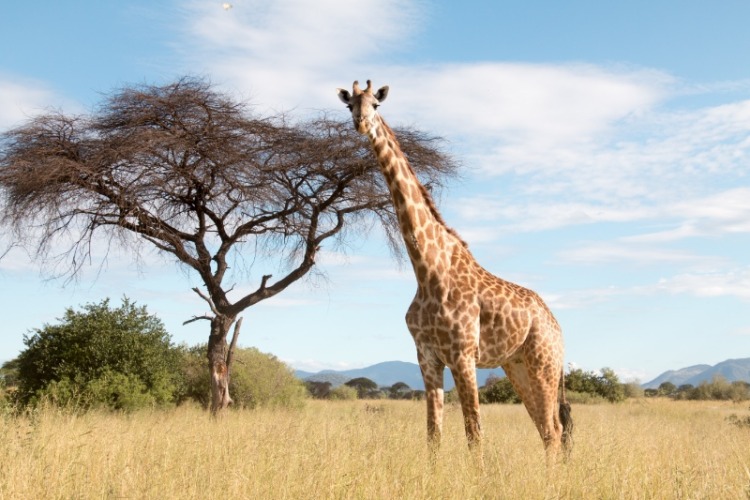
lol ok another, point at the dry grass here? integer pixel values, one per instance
(647, 449)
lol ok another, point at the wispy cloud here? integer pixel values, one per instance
(721, 283)
(20, 99)
(735, 283)
(293, 54)
(607, 252)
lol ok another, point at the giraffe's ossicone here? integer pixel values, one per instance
(462, 316)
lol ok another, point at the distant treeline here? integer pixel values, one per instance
(580, 386)
(718, 388)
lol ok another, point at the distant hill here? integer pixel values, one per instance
(388, 373)
(731, 369)
(677, 377)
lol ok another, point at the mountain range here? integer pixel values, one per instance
(388, 373)
(731, 369)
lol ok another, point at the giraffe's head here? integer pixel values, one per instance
(363, 104)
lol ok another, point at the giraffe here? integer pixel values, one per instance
(462, 316)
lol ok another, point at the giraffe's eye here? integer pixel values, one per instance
(375, 106)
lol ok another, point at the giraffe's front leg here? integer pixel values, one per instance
(432, 374)
(465, 375)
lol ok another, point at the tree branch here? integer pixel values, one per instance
(208, 300)
(197, 318)
(233, 344)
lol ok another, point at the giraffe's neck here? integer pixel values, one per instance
(423, 229)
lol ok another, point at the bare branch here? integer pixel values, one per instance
(197, 318)
(208, 300)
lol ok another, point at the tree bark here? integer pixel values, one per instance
(218, 352)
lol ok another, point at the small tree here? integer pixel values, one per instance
(190, 172)
(120, 358)
(318, 390)
(365, 387)
(609, 386)
(667, 389)
(399, 390)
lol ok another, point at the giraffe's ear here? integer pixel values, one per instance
(345, 96)
(382, 93)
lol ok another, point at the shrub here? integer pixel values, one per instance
(117, 358)
(498, 390)
(112, 390)
(605, 385)
(343, 392)
(256, 379)
(584, 398)
(633, 390)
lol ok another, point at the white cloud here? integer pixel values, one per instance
(541, 104)
(312, 365)
(20, 99)
(294, 53)
(735, 283)
(546, 214)
(598, 253)
(721, 212)
(720, 283)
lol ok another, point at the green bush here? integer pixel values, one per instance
(343, 392)
(583, 398)
(256, 379)
(606, 384)
(718, 388)
(498, 390)
(115, 358)
(112, 390)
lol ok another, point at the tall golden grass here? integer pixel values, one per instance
(363, 450)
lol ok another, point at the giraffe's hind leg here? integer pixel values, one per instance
(538, 388)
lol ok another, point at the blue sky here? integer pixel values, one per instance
(605, 152)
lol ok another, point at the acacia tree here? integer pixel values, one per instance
(193, 173)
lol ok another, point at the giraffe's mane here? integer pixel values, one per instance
(429, 201)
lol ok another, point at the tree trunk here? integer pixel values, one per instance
(218, 352)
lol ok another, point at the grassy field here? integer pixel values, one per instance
(639, 449)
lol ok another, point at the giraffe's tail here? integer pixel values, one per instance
(565, 419)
